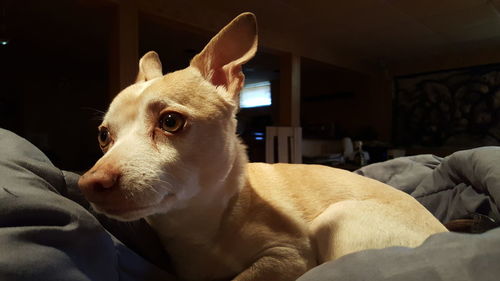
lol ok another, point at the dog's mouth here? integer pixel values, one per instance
(126, 214)
(132, 210)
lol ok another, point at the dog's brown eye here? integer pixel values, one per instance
(172, 122)
(104, 137)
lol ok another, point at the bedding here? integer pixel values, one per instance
(458, 186)
(47, 231)
(463, 185)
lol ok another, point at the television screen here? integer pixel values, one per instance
(255, 95)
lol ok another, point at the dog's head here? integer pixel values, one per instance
(169, 139)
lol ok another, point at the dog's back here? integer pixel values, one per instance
(343, 212)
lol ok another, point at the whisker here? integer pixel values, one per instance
(168, 184)
(97, 115)
(153, 189)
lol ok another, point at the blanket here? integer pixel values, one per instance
(458, 186)
(462, 185)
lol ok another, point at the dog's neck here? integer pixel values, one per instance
(200, 219)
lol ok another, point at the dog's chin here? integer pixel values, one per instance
(132, 213)
(126, 215)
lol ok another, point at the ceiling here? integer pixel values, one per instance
(395, 30)
(356, 33)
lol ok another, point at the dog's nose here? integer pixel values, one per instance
(98, 180)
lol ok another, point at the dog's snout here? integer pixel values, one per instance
(99, 180)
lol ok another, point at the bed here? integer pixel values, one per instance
(48, 232)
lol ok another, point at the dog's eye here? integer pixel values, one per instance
(104, 137)
(172, 122)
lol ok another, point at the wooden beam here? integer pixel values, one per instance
(124, 46)
(289, 91)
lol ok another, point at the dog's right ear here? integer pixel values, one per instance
(149, 67)
(221, 60)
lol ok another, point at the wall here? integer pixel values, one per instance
(357, 105)
(55, 78)
(445, 61)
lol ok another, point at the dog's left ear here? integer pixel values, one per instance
(221, 60)
(149, 67)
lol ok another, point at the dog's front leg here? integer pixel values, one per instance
(277, 264)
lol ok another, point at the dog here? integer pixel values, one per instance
(172, 156)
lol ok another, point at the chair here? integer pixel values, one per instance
(284, 144)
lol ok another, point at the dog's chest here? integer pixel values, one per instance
(234, 249)
(202, 261)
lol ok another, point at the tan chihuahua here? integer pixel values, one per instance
(172, 156)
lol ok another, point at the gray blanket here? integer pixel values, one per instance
(455, 187)
(458, 186)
